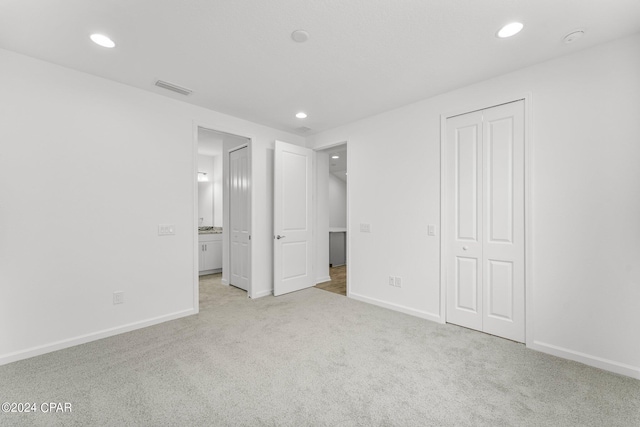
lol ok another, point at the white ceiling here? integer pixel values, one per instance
(338, 167)
(363, 56)
(209, 142)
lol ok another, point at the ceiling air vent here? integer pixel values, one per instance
(303, 129)
(175, 88)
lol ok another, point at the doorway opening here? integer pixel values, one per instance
(332, 218)
(210, 205)
(223, 210)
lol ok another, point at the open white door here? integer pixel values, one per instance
(293, 218)
(239, 218)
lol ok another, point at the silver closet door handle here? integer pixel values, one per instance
(464, 248)
(280, 237)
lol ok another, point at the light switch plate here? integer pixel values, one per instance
(431, 230)
(166, 230)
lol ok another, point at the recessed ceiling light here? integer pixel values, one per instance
(335, 156)
(510, 30)
(102, 40)
(301, 115)
(300, 36)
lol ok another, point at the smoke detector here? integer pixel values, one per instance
(573, 36)
(300, 36)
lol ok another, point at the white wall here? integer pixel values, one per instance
(118, 161)
(205, 190)
(337, 202)
(585, 188)
(218, 205)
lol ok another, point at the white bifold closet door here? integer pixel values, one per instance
(484, 246)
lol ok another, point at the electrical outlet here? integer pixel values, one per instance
(118, 297)
(398, 281)
(365, 228)
(166, 229)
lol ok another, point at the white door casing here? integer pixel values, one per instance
(484, 253)
(239, 218)
(293, 218)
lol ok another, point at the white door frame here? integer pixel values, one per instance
(315, 213)
(528, 220)
(225, 178)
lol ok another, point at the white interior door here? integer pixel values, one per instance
(293, 218)
(239, 218)
(485, 205)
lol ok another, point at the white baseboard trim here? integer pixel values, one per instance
(587, 359)
(262, 294)
(396, 307)
(207, 272)
(323, 279)
(94, 336)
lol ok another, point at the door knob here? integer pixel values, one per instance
(464, 248)
(280, 237)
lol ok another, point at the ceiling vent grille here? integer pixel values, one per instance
(303, 129)
(175, 88)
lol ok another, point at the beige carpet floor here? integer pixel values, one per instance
(312, 358)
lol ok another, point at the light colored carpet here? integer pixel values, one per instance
(313, 358)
